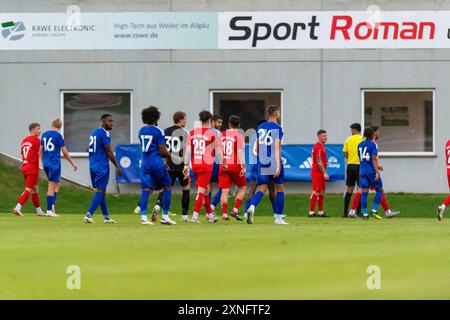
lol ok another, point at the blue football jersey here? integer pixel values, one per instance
(267, 133)
(52, 142)
(98, 158)
(366, 150)
(150, 138)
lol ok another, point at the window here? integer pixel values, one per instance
(81, 111)
(405, 118)
(249, 105)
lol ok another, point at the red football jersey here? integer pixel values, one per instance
(202, 142)
(447, 154)
(29, 149)
(231, 141)
(318, 152)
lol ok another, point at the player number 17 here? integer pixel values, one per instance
(146, 146)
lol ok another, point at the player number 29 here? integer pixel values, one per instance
(363, 154)
(199, 146)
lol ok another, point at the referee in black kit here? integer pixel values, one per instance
(351, 155)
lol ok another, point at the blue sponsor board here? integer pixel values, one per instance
(296, 159)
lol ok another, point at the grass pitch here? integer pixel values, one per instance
(309, 259)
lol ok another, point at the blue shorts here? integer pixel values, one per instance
(53, 173)
(367, 181)
(99, 179)
(253, 173)
(215, 173)
(268, 179)
(155, 178)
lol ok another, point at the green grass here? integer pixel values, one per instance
(309, 259)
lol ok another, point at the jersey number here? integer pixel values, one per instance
(25, 150)
(48, 145)
(363, 154)
(173, 144)
(199, 146)
(265, 137)
(227, 148)
(92, 144)
(146, 146)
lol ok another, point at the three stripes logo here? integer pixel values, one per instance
(13, 31)
(307, 164)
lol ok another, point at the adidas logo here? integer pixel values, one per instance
(307, 164)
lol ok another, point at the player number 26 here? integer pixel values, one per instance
(265, 137)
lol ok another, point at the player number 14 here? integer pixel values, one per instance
(363, 154)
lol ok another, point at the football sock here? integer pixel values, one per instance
(216, 199)
(159, 199)
(55, 195)
(23, 198)
(377, 199)
(143, 202)
(280, 203)
(384, 203)
(94, 204)
(185, 199)
(166, 198)
(247, 204)
(312, 202)
(50, 202)
(198, 202)
(347, 198)
(208, 204)
(35, 199)
(320, 199)
(364, 202)
(273, 202)
(446, 201)
(224, 209)
(257, 198)
(356, 200)
(237, 205)
(104, 208)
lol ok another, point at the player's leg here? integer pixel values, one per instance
(202, 180)
(55, 195)
(224, 203)
(35, 195)
(445, 203)
(23, 198)
(262, 183)
(216, 199)
(186, 196)
(241, 184)
(280, 204)
(50, 198)
(351, 183)
(364, 196)
(224, 186)
(273, 198)
(387, 210)
(143, 203)
(251, 189)
(316, 189)
(376, 202)
(101, 185)
(104, 208)
(166, 202)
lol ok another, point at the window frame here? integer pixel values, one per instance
(403, 153)
(280, 91)
(63, 91)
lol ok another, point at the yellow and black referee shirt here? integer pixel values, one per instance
(351, 147)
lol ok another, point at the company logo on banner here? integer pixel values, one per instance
(332, 30)
(13, 31)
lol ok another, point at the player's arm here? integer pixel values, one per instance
(345, 150)
(278, 156)
(187, 157)
(219, 153)
(112, 157)
(241, 159)
(376, 166)
(69, 158)
(322, 167)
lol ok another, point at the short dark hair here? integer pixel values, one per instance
(216, 117)
(33, 125)
(150, 115)
(270, 110)
(375, 128)
(234, 121)
(320, 132)
(204, 116)
(368, 133)
(178, 116)
(356, 126)
(104, 116)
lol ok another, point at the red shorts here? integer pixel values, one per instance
(202, 178)
(227, 177)
(318, 182)
(31, 180)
